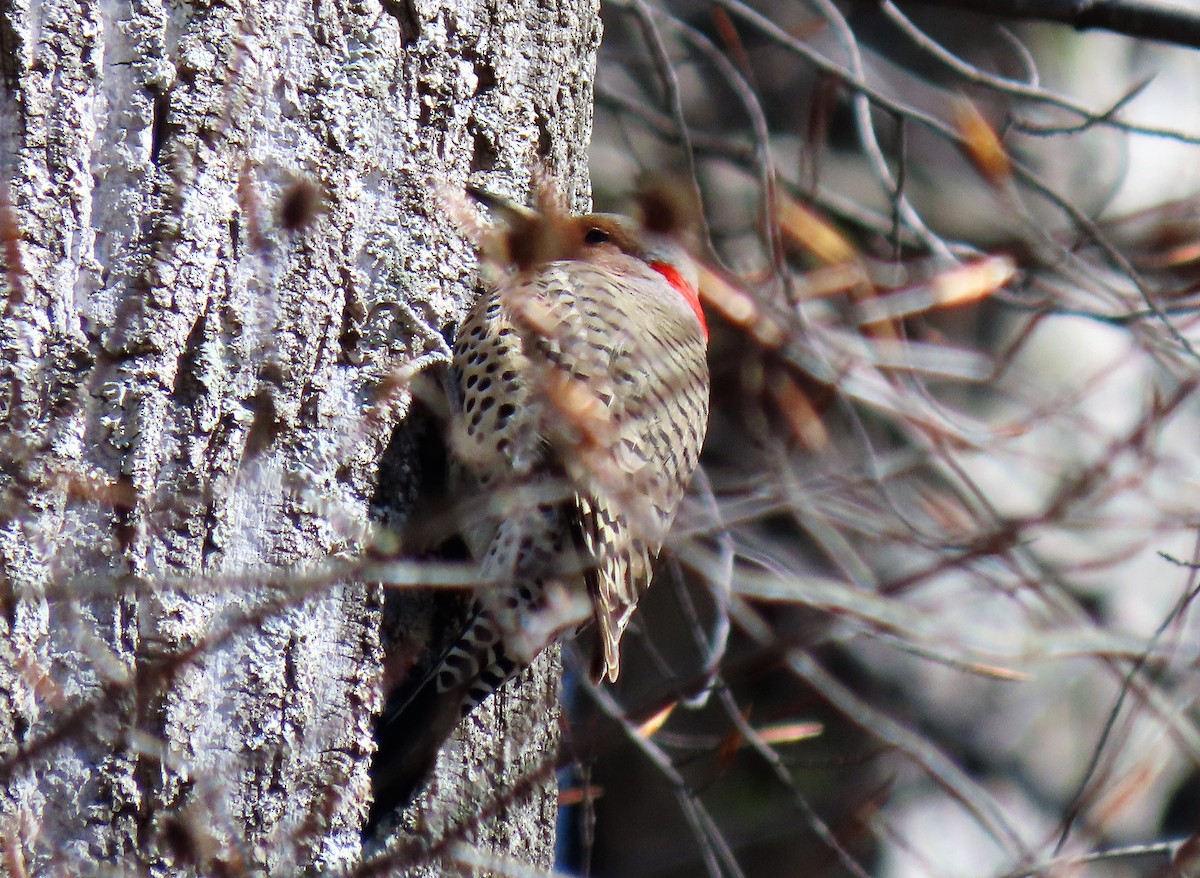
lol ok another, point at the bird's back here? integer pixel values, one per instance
(584, 387)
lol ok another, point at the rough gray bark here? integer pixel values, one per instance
(193, 404)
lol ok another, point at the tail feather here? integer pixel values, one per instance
(418, 720)
(407, 743)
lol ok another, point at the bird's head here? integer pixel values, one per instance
(663, 251)
(532, 238)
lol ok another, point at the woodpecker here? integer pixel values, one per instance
(580, 388)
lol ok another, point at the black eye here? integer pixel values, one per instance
(596, 236)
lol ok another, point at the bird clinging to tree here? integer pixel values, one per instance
(579, 387)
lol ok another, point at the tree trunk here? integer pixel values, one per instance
(225, 233)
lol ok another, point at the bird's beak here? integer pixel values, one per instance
(507, 209)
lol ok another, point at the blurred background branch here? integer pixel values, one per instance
(952, 262)
(1147, 21)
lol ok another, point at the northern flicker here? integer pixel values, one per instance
(581, 385)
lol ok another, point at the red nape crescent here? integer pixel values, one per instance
(675, 279)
